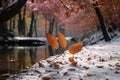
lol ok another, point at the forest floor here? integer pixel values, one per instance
(100, 61)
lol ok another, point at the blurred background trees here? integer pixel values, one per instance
(76, 18)
(8, 9)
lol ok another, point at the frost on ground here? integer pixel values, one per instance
(95, 62)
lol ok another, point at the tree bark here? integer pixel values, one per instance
(11, 10)
(31, 25)
(101, 21)
(30, 33)
(51, 25)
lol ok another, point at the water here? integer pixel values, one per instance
(15, 59)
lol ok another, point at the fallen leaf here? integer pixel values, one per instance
(49, 61)
(52, 41)
(107, 79)
(102, 60)
(62, 40)
(89, 58)
(117, 64)
(45, 78)
(99, 66)
(75, 48)
(110, 65)
(37, 71)
(48, 70)
(88, 75)
(117, 72)
(55, 65)
(65, 73)
(117, 68)
(86, 67)
(72, 61)
(71, 69)
(40, 64)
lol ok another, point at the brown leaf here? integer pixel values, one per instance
(62, 40)
(72, 61)
(107, 79)
(99, 66)
(102, 60)
(117, 72)
(49, 61)
(65, 73)
(52, 41)
(55, 65)
(89, 58)
(85, 67)
(37, 71)
(117, 64)
(117, 68)
(45, 78)
(75, 48)
(40, 64)
(71, 69)
(88, 75)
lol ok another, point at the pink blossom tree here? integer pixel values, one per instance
(75, 15)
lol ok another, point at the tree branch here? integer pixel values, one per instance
(11, 10)
(67, 7)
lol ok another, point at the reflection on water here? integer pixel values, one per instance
(16, 59)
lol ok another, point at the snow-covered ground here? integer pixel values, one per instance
(95, 62)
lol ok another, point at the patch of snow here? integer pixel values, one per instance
(100, 61)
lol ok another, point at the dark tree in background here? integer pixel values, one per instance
(30, 33)
(8, 9)
(101, 21)
(0, 3)
(67, 13)
(11, 10)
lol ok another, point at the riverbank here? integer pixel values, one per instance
(100, 61)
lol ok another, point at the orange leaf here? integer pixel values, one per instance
(75, 48)
(52, 41)
(62, 40)
(72, 61)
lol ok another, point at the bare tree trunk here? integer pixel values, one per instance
(101, 21)
(51, 25)
(20, 24)
(0, 3)
(31, 25)
(10, 25)
(35, 26)
(4, 30)
(24, 22)
(30, 33)
(13, 23)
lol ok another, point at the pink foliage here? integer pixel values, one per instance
(47, 7)
(74, 19)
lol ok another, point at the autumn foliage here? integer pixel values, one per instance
(52, 41)
(73, 49)
(62, 40)
(78, 16)
(72, 61)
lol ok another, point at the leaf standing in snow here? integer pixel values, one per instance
(52, 41)
(75, 48)
(62, 40)
(72, 61)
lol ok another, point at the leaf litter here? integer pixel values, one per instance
(94, 62)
